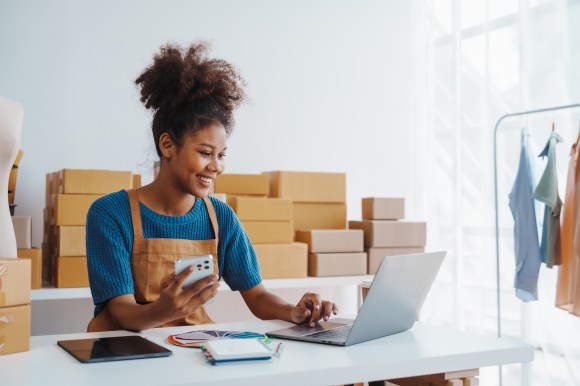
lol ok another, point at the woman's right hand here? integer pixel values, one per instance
(173, 303)
(176, 302)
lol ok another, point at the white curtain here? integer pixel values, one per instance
(474, 62)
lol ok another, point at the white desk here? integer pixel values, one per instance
(425, 349)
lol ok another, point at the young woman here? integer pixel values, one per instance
(134, 237)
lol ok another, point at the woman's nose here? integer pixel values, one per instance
(215, 166)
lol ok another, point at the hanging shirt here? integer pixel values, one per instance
(575, 253)
(547, 193)
(567, 274)
(527, 250)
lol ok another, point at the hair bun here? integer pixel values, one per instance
(182, 78)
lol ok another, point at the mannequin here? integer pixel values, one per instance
(11, 114)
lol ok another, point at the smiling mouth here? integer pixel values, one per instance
(204, 179)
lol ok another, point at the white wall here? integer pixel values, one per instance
(328, 83)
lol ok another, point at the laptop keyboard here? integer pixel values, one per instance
(337, 334)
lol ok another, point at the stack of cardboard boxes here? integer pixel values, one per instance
(23, 230)
(69, 194)
(319, 214)
(318, 199)
(334, 252)
(14, 305)
(268, 223)
(385, 231)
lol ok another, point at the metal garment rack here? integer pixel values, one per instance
(495, 131)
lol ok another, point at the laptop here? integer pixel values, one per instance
(392, 304)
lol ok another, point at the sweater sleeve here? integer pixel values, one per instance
(108, 254)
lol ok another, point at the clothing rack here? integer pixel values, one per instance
(495, 131)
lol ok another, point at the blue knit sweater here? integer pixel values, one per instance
(109, 241)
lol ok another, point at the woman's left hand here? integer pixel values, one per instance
(311, 308)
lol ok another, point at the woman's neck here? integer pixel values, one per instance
(162, 198)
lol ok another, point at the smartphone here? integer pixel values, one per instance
(203, 268)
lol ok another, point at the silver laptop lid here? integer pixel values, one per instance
(396, 295)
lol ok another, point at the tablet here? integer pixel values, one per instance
(114, 348)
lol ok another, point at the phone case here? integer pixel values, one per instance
(203, 267)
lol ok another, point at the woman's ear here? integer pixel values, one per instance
(166, 145)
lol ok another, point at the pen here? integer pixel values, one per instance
(278, 351)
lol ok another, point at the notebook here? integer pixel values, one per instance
(236, 350)
(113, 348)
(392, 303)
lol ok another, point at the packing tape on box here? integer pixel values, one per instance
(5, 320)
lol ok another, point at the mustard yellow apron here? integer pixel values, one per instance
(153, 259)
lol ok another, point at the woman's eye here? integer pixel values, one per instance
(222, 155)
(205, 153)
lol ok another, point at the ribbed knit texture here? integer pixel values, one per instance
(109, 242)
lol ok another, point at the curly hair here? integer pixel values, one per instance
(187, 91)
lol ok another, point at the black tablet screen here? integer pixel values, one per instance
(113, 348)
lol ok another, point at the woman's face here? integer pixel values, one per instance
(200, 160)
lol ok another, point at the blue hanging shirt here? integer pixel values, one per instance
(527, 250)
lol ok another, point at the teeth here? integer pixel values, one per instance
(205, 179)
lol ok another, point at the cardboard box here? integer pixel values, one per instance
(48, 264)
(376, 255)
(383, 208)
(385, 233)
(35, 257)
(14, 329)
(14, 282)
(308, 216)
(337, 264)
(54, 187)
(364, 288)
(269, 232)
(245, 184)
(71, 241)
(261, 209)
(71, 272)
(308, 186)
(280, 261)
(23, 231)
(47, 192)
(86, 181)
(72, 209)
(331, 240)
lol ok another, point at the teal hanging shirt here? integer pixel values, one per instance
(547, 193)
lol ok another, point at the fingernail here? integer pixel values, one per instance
(316, 306)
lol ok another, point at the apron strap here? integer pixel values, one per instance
(212, 216)
(135, 214)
